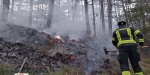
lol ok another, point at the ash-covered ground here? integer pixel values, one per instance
(45, 53)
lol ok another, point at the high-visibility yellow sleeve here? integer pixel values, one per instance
(136, 32)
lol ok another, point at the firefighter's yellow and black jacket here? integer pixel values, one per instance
(125, 36)
(124, 39)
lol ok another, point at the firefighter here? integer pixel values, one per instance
(124, 39)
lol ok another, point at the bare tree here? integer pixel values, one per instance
(124, 9)
(110, 17)
(87, 17)
(50, 13)
(5, 10)
(94, 18)
(82, 12)
(20, 4)
(38, 7)
(12, 6)
(102, 15)
(31, 10)
(75, 8)
(1, 2)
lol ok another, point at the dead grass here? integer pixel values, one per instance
(145, 63)
(115, 68)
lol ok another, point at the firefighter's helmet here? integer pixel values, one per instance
(121, 23)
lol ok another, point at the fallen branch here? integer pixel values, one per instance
(22, 64)
(44, 65)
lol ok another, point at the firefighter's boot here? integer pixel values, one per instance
(138, 73)
(126, 73)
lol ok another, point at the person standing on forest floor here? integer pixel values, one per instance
(124, 39)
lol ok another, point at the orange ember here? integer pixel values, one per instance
(72, 57)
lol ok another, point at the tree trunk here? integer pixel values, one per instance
(5, 10)
(12, 6)
(87, 17)
(20, 4)
(102, 16)
(75, 7)
(31, 10)
(49, 20)
(38, 10)
(94, 18)
(1, 2)
(124, 11)
(110, 17)
(83, 12)
(42, 12)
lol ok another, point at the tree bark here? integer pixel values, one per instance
(94, 18)
(5, 10)
(75, 8)
(102, 15)
(87, 17)
(38, 10)
(49, 20)
(31, 10)
(20, 4)
(124, 11)
(1, 2)
(110, 17)
(12, 6)
(83, 12)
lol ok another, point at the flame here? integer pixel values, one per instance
(57, 38)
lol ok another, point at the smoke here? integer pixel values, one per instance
(64, 25)
(62, 15)
(62, 22)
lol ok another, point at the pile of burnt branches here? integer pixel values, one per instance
(38, 60)
(15, 53)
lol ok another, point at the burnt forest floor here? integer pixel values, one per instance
(6, 69)
(60, 63)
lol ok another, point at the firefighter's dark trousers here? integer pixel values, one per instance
(131, 53)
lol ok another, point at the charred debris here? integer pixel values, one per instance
(64, 52)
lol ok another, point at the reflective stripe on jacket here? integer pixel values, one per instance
(126, 35)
